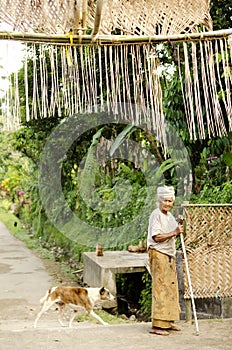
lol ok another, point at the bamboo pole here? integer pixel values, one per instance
(180, 221)
(62, 39)
(97, 19)
(77, 12)
(84, 14)
(190, 284)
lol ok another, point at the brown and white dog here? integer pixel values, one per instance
(75, 298)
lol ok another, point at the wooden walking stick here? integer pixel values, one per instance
(180, 220)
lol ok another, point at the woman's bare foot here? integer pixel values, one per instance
(158, 331)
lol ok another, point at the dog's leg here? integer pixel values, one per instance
(46, 306)
(72, 318)
(61, 314)
(92, 313)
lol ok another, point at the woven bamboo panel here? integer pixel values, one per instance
(146, 17)
(151, 17)
(208, 244)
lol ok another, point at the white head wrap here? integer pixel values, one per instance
(166, 192)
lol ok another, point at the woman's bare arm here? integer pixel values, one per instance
(163, 237)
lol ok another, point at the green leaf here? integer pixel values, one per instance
(227, 157)
(121, 137)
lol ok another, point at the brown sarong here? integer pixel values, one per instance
(165, 295)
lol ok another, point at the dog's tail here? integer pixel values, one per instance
(44, 298)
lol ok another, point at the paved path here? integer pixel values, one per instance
(23, 280)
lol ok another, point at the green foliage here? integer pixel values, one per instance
(146, 295)
(227, 158)
(221, 12)
(106, 196)
(214, 167)
(214, 194)
(121, 137)
(14, 169)
(30, 139)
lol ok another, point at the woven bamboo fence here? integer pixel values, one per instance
(208, 244)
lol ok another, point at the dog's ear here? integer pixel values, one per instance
(102, 290)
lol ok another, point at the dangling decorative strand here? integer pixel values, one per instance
(197, 96)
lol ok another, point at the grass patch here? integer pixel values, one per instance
(109, 318)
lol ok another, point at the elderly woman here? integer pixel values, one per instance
(162, 232)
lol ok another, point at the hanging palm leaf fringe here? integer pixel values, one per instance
(78, 79)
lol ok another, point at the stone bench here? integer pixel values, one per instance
(101, 270)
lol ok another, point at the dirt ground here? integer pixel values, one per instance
(24, 278)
